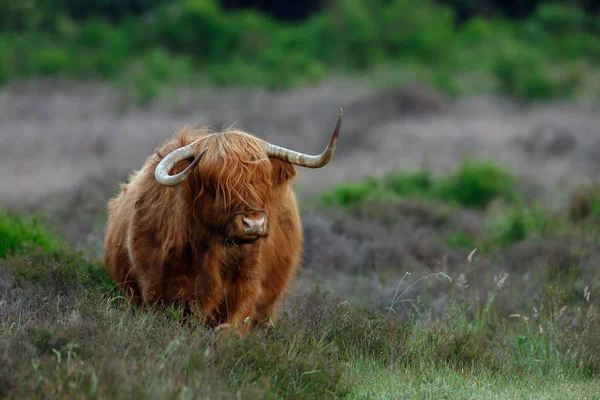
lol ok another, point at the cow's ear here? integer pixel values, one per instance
(282, 171)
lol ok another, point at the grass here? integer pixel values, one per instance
(481, 328)
(435, 381)
(69, 338)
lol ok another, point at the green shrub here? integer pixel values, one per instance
(461, 239)
(147, 88)
(282, 67)
(18, 234)
(559, 19)
(30, 15)
(476, 184)
(247, 47)
(596, 206)
(476, 31)
(61, 269)
(409, 183)
(359, 33)
(516, 228)
(420, 30)
(50, 61)
(157, 67)
(35, 256)
(199, 28)
(6, 60)
(101, 49)
(349, 194)
(519, 224)
(520, 72)
(236, 72)
(256, 33)
(444, 81)
(317, 37)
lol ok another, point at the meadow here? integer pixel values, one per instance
(482, 324)
(452, 247)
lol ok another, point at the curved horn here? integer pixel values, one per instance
(305, 160)
(161, 173)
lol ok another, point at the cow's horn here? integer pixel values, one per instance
(305, 160)
(161, 173)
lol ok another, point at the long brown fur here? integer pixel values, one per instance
(165, 244)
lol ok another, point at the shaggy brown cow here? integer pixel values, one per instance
(222, 234)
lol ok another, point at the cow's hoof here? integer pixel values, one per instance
(222, 327)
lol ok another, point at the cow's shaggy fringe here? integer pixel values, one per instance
(237, 165)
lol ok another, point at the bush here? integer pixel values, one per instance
(101, 49)
(409, 183)
(564, 31)
(50, 61)
(155, 68)
(359, 33)
(18, 234)
(520, 72)
(35, 256)
(349, 194)
(519, 224)
(247, 47)
(199, 28)
(477, 183)
(559, 19)
(420, 30)
(61, 270)
(6, 60)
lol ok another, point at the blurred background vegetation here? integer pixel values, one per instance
(465, 284)
(531, 50)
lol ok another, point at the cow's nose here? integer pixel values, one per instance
(253, 225)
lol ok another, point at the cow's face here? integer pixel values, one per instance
(236, 179)
(238, 222)
(241, 211)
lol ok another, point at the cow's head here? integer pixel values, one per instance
(233, 176)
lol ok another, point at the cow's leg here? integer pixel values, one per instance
(208, 290)
(265, 314)
(131, 290)
(274, 288)
(148, 262)
(151, 284)
(149, 270)
(241, 303)
(121, 273)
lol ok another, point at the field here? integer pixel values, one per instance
(452, 247)
(387, 305)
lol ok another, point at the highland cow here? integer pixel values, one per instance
(211, 220)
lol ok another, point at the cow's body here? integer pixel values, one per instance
(221, 233)
(226, 238)
(160, 246)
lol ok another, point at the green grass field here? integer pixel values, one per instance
(532, 333)
(63, 339)
(473, 290)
